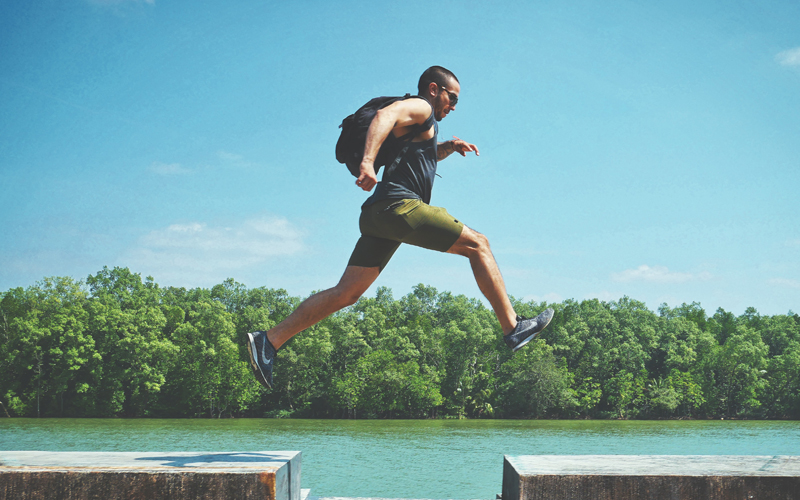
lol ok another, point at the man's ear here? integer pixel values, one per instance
(433, 89)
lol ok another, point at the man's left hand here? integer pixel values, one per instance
(463, 147)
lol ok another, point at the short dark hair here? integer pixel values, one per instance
(436, 74)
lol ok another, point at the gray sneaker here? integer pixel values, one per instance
(527, 329)
(262, 357)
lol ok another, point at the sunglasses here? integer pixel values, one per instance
(453, 98)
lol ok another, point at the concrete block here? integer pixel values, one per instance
(271, 475)
(651, 477)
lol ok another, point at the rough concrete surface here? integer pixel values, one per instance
(273, 475)
(651, 477)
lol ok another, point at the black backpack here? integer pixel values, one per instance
(350, 146)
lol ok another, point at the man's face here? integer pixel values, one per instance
(445, 100)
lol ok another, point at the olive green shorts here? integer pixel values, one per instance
(387, 223)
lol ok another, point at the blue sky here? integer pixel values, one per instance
(627, 148)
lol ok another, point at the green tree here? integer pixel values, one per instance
(534, 385)
(587, 394)
(625, 392)
(123, 346)
(46, 348)
(210, 377)
(740, 365)
(129, 324)
(302, 383)
(380, 386)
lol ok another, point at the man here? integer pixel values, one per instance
(398, 212)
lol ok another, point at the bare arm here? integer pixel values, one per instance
(397, 116)
(446, 148)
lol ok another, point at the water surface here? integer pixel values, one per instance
(460, 459)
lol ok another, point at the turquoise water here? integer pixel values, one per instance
(461, 459)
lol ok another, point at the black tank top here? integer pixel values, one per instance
(414, 175)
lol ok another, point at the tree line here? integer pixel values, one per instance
(116, 345)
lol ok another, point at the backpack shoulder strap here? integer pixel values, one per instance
(418, 129)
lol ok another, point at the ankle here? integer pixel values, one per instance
(274, 341)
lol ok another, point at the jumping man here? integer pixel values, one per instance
(399, 212)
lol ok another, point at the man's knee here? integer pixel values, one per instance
(349, 297)
(470, 243)
(354, 282)
(482, 240)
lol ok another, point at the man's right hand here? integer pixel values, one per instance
(367, 179)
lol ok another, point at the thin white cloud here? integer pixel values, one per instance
(223, 160)
(197, 253)
(657, 274)
(789, 57)
(784, 282)
(230, 157)
(233, 160)
(168, 169)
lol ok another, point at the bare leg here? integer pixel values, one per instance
(319, 306)
(475, 247)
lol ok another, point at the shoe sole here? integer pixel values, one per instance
(251, 349)
(522, 344)
(532, 336)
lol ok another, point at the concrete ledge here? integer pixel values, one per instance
(651, 477)
(273, 475)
